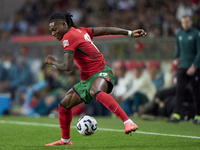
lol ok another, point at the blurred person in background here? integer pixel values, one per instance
(3, 73)
(51, 86)
(31, 17)
(125, 79)
(188, 59)
(47, 103)
(121, 87)
(44, 80)
(156, 75)
(19, 76)
(8, 66)
(140, 92)
(97, 79)
(163, 98)
(130, 66)
(3, 76)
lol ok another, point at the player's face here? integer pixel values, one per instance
(58, 29)
(186, 23)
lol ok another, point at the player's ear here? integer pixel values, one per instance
(64, 24)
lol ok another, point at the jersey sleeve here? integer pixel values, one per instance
(69, 43)
(90, 31)
(197, 57)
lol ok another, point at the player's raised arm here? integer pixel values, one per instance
(66, 65)
(98, 31)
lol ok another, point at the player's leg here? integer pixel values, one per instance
(195, 82)
(99, 91)
(65, 117)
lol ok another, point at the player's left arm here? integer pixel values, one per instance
(98, 31)
(66, 64)
(196, 62)
(197, 57)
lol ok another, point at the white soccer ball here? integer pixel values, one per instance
(87, 125)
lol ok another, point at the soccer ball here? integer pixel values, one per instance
(87, 125)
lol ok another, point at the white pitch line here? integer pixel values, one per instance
(101, 129)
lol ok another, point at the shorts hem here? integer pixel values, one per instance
(109, 88)
(79, 95)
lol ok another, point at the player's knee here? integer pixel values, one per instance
(92, 92)
(66, 102)
(95, 93)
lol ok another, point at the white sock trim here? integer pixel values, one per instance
(129, 120)
(66, 140)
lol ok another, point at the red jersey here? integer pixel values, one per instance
(86, 55)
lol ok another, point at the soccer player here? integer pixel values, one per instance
(97, 79)
(188, 59)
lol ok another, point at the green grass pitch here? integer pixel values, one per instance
(17, 133)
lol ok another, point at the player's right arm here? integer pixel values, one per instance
(98, 31)
(70, 44)
(66, 64)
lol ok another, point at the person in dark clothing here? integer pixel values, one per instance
(165, 102)
(158, 103)
(188, 59)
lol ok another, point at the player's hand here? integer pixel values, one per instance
(50, 60)
(138, 33)
(191, 70)
(176, 62)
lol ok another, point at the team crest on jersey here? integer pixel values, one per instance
(65, 43)
(190, 37)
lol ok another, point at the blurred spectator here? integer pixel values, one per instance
(55, 83)
(130, 65)
(43, 82)
(121, 87)
(164, 101)
(184, 8)
(140, 92)
(3, 73)
(22, 75)
(124, 82)
(156, 75)
(19, 75)
(46, 104)
(158, 18)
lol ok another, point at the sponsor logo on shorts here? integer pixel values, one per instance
(103, 74)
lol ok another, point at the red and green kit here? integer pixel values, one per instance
(88, 59)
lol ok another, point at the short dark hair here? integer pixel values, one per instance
(187, 16)
(65, 16)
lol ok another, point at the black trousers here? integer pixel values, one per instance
(182, 81)
(153, 108)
